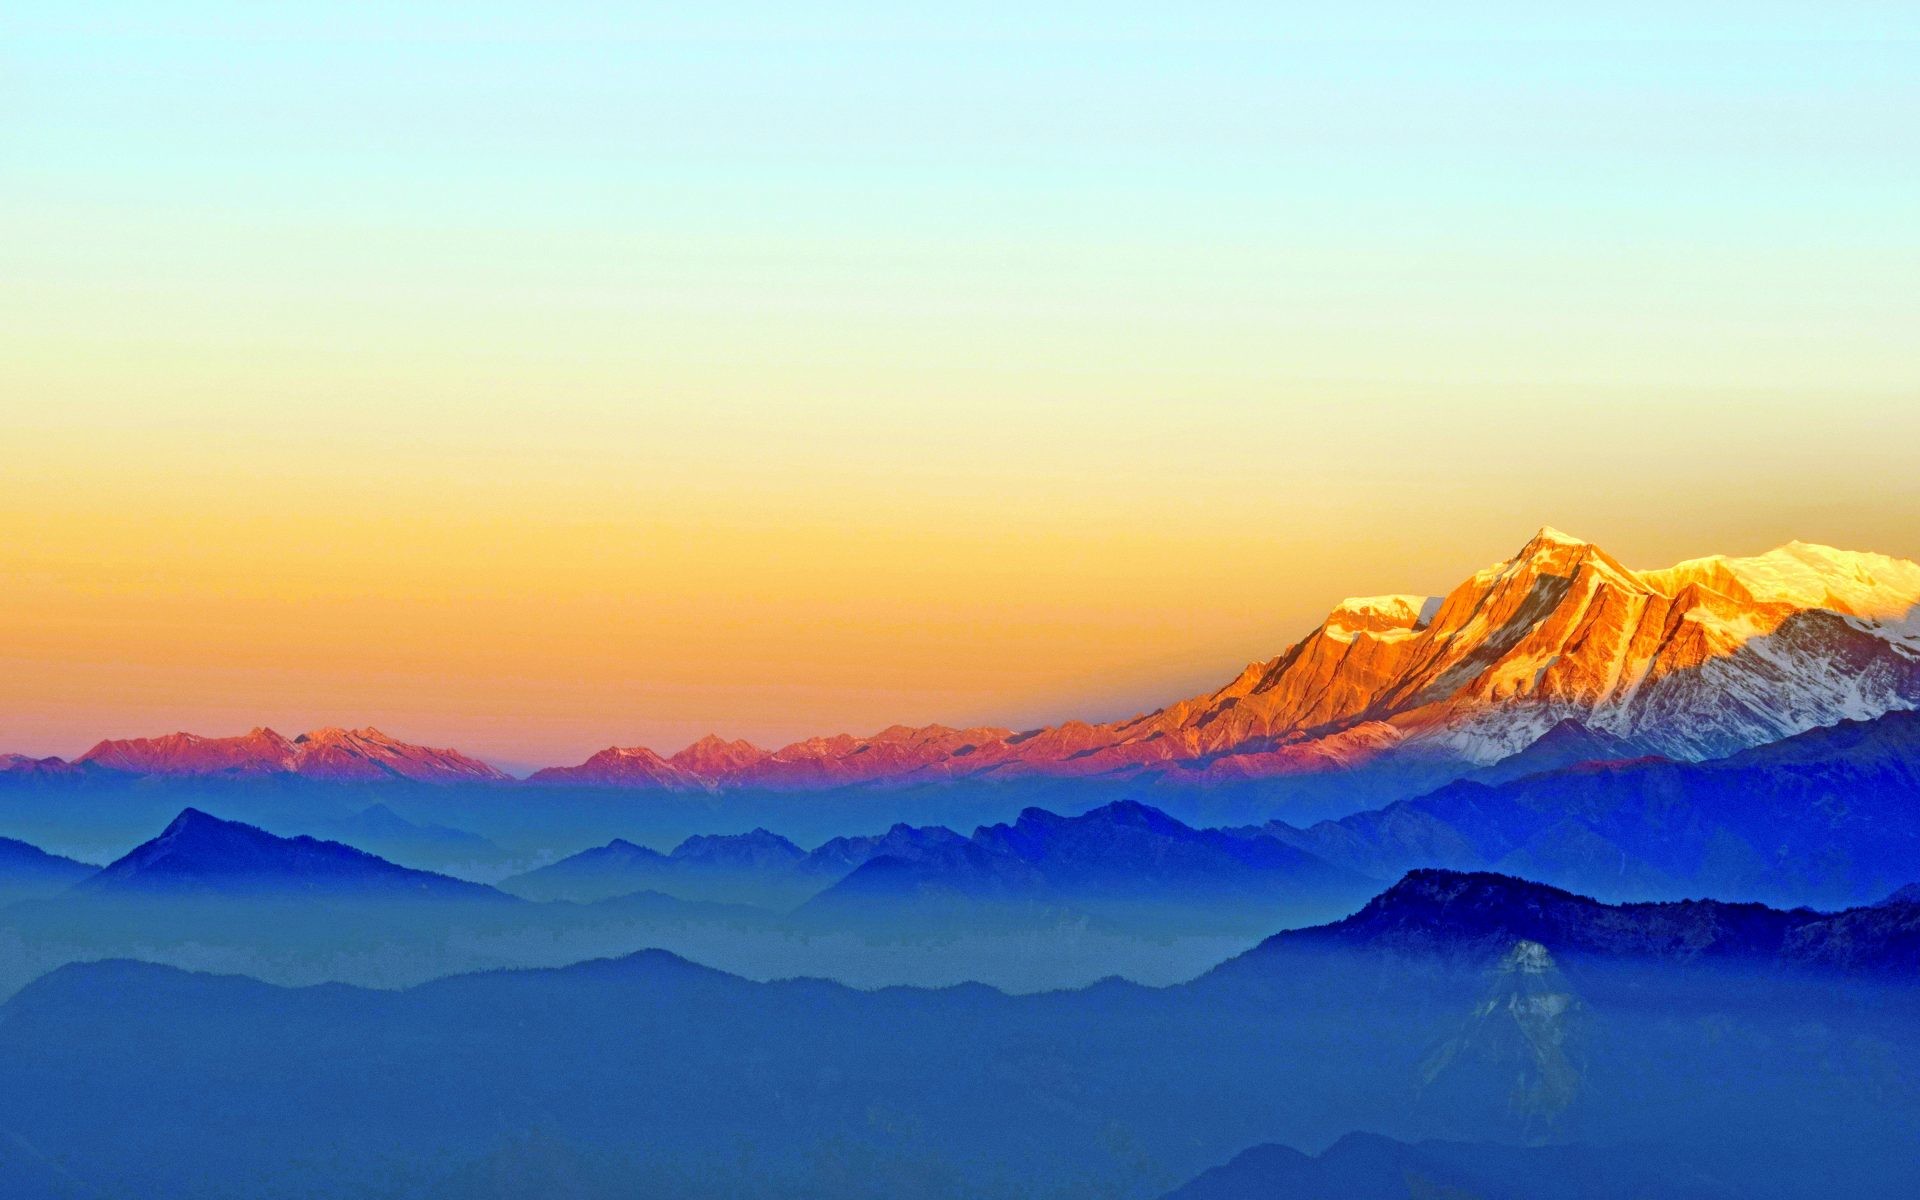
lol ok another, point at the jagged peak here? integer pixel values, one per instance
(713, 741)
(1548, 535)
(1380, 614)
(644, 753)
(1549, 551)
(193, 818)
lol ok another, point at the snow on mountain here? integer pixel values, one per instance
(1690, 661)
(623, 766)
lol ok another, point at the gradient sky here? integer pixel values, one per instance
(532, 378)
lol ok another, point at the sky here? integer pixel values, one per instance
(537, 378)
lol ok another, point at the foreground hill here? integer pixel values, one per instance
(625, 1076)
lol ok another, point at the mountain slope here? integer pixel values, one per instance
(28, 872)
(617, 766)
(199, 853)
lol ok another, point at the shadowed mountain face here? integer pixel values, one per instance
(202, 853)
(643, 1075)
(1567, 744)
(1827, 817)
(1477, 915)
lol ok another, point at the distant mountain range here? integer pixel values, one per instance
(1829, 817)
(338, 755)
(1692, 661)
(1122, 856)
(756, 867)
(1124, 853)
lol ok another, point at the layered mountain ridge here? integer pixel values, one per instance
(1692, 661)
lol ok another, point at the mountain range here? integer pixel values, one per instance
(1692, 661)
(1825, 817)
(1766, 1074)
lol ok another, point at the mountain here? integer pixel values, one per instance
(626, 767)
(28, 872)
(24, 766)
(1559, 650)
(341, 755)
(1521, 1054)
(199, 853)
(616, 869)
(1555, 655)
(840, 856)
(1825, 817)
(713, 758)
(1700, 658)
(1129, 848)
(1567, 744)
(1364, 1166)
(1124, 855)
(757, 850)
(1485, 917)
(757, 866)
